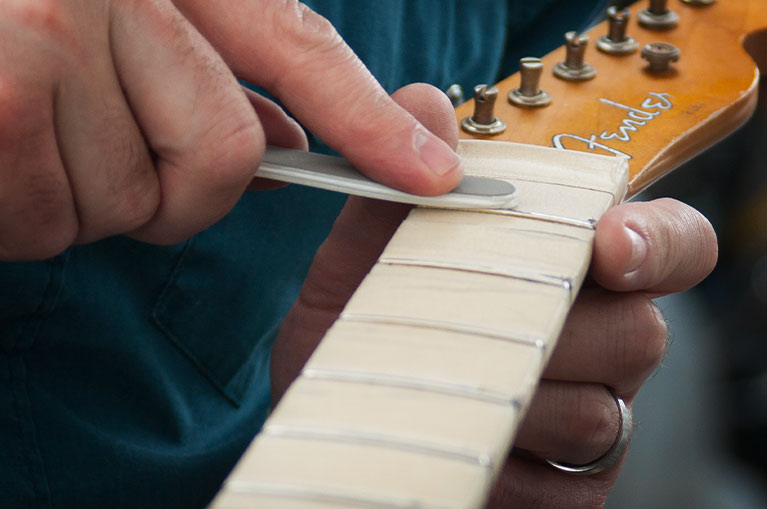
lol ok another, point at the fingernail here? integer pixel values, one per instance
(638, 250)
(436, 155)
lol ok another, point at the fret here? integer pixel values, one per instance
(391, 476)
(443, 326)
(512, 247)
(242, 495)
(465, 427)
(466, 301)
(511, 272)
(436, 356)
(590, 223)
(546, 191)
(471, 362)
(353, 436)
(411, 383)
(433, 362)
(491, 159)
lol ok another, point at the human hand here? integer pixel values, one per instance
(124, 117)
(614, 336)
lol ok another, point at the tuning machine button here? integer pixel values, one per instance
(529, 93)
(455, 93)
(483, 121)
(658, 16)
(616, 42)
(660, 55)
(574, 68)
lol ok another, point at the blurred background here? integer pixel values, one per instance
(700, 437)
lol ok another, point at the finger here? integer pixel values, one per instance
(357, 239)
(432, 108)
(570, 423)
(662, 246)
(302, 60)
(193, 113)
(525, 484)
(110, 170)
(613, 339)
(37, 214)
(364, 227)
(279, 130)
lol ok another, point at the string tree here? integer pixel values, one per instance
(574, 68)
(529, 93)
(616, 42)
(483, 121)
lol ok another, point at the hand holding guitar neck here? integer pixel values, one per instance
(416, 392)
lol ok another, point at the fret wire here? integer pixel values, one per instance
(512, 273)
(350, 436)
(589, 224)
(318, 494)
(412, 383)
(550, 183)
(528, 231)
(510, 227)
(495, 334)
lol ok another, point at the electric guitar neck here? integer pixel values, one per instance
(413, 397)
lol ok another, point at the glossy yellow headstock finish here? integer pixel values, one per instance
(659, 120)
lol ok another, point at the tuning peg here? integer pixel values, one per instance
(574, 68)
(660, 55)
(455, 93)
(529, 93)
(616, 42)
(483, 121)
(658, 16)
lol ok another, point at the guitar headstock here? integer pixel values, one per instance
(658, 119)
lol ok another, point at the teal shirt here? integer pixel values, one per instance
(134, 375)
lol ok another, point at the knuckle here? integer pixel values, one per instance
(646, 336)
(590, 421)
(303, 28)
(131, 193)
(136, 204)
(46, 16)
(683, 243)
(235, 158)
(47, 20)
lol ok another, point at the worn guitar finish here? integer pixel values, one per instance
(413, 397)
(659, 120)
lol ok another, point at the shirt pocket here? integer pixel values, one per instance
(209, 309)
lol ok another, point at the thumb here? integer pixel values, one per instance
(298, 56)
(662, 246)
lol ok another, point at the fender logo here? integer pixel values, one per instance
(651, 108)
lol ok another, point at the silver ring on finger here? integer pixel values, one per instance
(613, 454)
